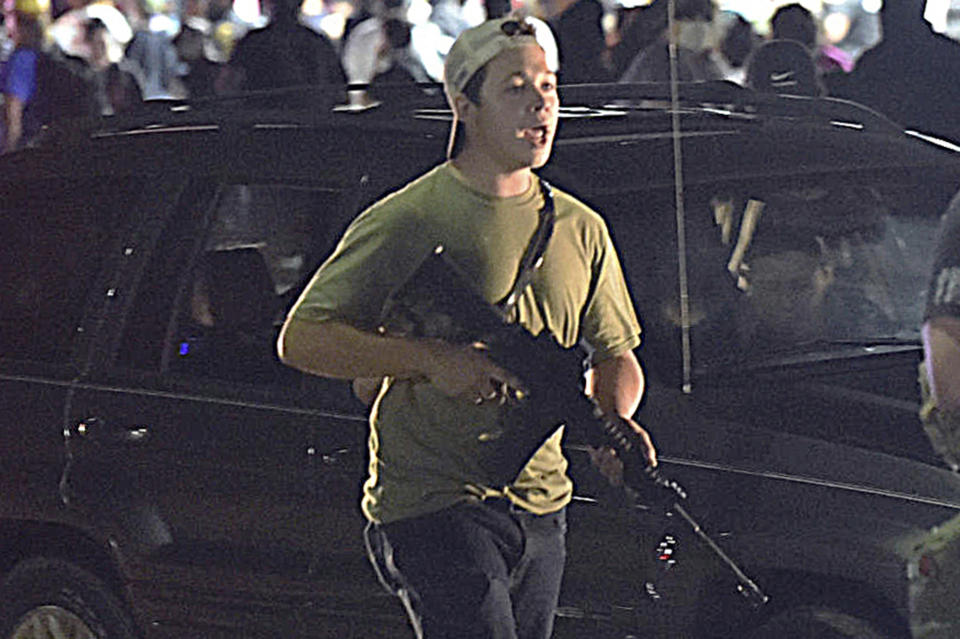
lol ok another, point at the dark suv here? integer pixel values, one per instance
(164, 475)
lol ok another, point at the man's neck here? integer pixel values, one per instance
(493, 182)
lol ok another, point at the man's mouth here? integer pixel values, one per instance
(536, 135)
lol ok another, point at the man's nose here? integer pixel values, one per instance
(542, 99)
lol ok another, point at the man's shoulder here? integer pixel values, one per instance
(424, 186)
(570, 206)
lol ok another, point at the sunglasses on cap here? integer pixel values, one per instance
(517, 28)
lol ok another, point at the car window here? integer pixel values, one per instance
(775, 266)
(783, 268)
(54, 237)
(224, 272)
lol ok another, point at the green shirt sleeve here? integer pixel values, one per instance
(378, 252)
(609, 326)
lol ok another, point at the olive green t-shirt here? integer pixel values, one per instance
(425, 446)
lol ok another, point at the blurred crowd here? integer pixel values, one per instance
(69, 57)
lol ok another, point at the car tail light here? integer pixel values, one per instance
(666, 551)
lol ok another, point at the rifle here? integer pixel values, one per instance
(437, 302)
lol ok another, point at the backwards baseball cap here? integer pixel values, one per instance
(476, 46)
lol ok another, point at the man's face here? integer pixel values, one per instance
(514, 125)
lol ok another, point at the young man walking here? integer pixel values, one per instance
(469, 556)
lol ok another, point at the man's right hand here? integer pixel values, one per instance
(338, 350)
(468, 373)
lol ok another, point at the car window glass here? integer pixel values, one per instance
(54, 237)
(222, 277)
(783, 268)
(773, 267)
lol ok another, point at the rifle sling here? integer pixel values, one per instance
(533, 254)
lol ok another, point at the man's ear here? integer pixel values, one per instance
(463, 107)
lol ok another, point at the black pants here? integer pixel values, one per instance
(474, 570)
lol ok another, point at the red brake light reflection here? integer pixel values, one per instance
(927, 566)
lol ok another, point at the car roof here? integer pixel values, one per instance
(612, 136)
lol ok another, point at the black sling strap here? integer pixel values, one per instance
(533, 255)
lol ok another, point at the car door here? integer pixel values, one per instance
(230, 482)
(57, 232)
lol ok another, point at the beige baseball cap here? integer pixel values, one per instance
(478, 45)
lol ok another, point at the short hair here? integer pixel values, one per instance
(473, 86)
(472, 92)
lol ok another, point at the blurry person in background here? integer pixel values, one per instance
(739, 41)
(578, 27)
(152, 53)
(911, 75)
(794, 22)
(69, 31)
(117, 89)
(397, 65)
(362, 48)
(363, 58)
(428, 39)
(435, 31)
(783, 66)
(696, 41)
(285, 53)
(453, 17)
(41, 85)
(197, 50)
(24, 21)
(636, 28)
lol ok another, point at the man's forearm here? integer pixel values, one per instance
(335, 349)
(617, 385)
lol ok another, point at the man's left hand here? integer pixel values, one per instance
(609, 463)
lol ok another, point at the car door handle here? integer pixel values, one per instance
(99, 430)
(330, 458)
